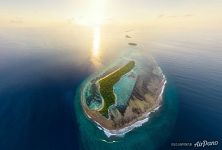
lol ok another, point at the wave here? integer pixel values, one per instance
(139, 123)
(109, 142)
(123, 131)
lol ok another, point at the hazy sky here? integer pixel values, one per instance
(87, 11)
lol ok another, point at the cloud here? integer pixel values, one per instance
(175, 16)
(16, 20)
(161, 16)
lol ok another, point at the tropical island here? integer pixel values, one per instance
(121, 96)
(106, 86)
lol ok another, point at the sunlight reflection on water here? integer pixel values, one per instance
(95, 57)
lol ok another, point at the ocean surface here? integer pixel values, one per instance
(42, 70)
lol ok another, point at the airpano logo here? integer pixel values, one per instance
(198, 144)
(205, 143)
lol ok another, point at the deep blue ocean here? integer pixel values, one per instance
(41, 72)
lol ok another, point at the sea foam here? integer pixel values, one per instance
(139, 123)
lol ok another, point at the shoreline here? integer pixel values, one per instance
(121, 132)
(133, 124)
(138, 123)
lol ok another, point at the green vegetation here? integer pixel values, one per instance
(107, 83)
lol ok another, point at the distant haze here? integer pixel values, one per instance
(110, 12)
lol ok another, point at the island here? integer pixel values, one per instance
(132, 44)
(106, 86)
(127, 36)
(121, 96)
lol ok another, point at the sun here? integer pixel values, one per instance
(94, 15)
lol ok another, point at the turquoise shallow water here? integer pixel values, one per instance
(152, 134)
(40, 74)
(124, 87)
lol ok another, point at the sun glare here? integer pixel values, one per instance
(96, 41)
(94, 15)
(95, 56)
